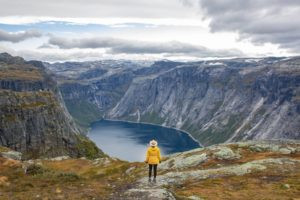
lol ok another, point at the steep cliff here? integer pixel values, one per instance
(216, 101)
(33, 118)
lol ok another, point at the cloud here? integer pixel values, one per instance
(111, 21)
(205, 28)
(95, 8)
(188, 3)
(54, 55)
(46, 46)
(267, 21)
(58, 56)
(92, 43)
(119, 46)
(15, 37)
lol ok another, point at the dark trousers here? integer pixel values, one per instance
(154, 169)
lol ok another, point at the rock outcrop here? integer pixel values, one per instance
(245, 170)
(15, 155)
(33, 118)
(221, 162)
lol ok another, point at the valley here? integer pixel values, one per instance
(149, 100)
(215, 101)
(45, 153)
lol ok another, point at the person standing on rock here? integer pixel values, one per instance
(153, 158)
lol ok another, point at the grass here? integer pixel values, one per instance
(66, 179)
(33, 105)
(4, 149)
(88, 149)
(261, 185)
(267, 184)
(30, 100)
(88, 179)
(20, 72)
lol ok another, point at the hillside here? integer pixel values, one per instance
(216, 101)
(49, 158)
(244, 170)
(33, 118)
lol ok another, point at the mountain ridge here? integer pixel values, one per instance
(215, 101)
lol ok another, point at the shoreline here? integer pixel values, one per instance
(118, 120)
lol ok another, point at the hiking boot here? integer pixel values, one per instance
(149, 180)
(154, 180)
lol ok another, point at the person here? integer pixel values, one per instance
(153, 158)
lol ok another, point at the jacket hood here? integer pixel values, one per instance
(153, 148)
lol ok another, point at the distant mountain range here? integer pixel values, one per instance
(216, 101)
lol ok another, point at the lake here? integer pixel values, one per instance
(129, 141)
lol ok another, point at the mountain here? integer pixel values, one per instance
(216, 101)
(35, 125)
(33, 117)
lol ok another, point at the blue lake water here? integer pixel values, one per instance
(129, 141)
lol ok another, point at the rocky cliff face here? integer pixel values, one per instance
(33, 118)
(216, 101)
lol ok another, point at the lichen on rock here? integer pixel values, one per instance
(12, 155)
(225, 153)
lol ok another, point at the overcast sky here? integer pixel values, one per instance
(142, 29)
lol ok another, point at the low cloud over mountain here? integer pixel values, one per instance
(18, 36)
(117, 46)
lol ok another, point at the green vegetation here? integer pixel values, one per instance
(83, 112)
(213, 136)
(88, 149)
(36, 169)
(34, 105)
(66, 179)
(4, 149)
(192, 129)
(37, 153)
(40, 171)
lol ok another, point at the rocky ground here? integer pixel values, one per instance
(244, 170)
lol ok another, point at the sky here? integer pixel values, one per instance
(81, 30)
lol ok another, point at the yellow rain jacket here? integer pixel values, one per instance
(153, 156)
